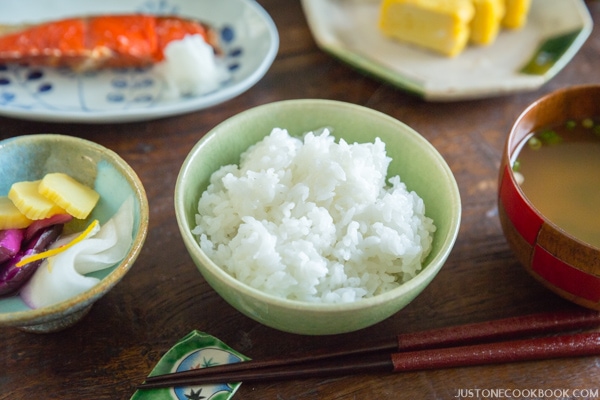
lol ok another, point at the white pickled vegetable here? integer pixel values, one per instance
(63, 276)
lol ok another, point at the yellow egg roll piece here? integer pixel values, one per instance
(439, 25)
(516, 13)
(486, 22)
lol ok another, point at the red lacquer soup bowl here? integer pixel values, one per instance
(565, 264)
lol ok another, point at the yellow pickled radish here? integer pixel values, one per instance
(76, 198)
(26, 197)
(10, 216)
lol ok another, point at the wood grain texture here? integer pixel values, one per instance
(164, 297)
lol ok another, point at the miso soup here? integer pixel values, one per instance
(558, 169)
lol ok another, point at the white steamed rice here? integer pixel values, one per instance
(313, 220)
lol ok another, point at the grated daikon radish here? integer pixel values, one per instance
(191, 68)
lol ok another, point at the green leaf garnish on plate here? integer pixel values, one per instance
(549, 53)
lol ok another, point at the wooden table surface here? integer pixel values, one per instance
(164, 297)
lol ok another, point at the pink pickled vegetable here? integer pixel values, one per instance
(13, 277)
(38, 225)
(10, 243)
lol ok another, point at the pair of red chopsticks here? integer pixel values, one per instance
(490, 342)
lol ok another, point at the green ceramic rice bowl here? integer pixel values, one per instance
(417, 162)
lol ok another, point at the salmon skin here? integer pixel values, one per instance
(97, 42)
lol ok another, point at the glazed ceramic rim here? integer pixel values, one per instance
(165, 108)
(431, 269)
(554, 46)
(85, 299)
(513, 145)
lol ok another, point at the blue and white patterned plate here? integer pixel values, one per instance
(250, 43)
(519, 60)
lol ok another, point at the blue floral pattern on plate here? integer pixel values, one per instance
(122, 95)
